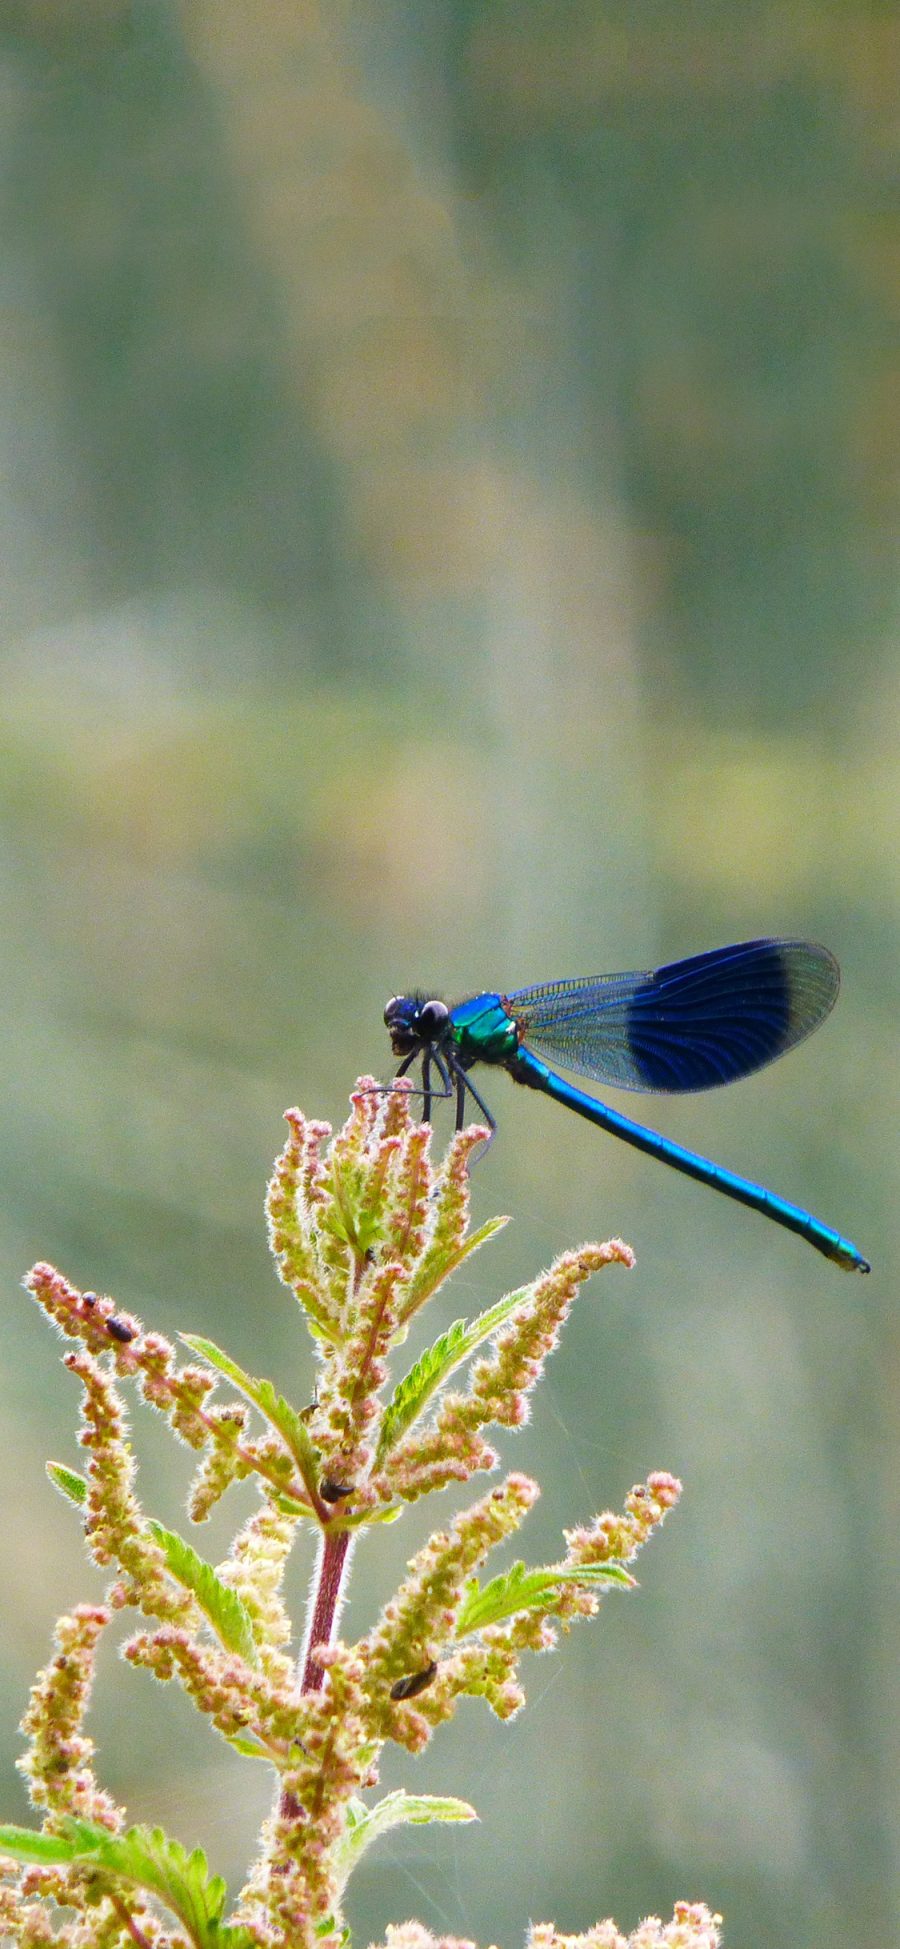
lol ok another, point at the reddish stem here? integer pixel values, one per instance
(129, 1923)
(330, 1572)
(329, 1580)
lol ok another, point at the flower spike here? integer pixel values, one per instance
(365, 1230)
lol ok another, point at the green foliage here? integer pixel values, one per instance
(68, 1482)
(50, 1849)
(227, 1614)
(365, 1824)
(521, 1589)
(428, 1277)
(435, 1365)
(353, 1223)
(286, 1421)
(147, 1859)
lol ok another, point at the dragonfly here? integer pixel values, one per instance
(691, 1025)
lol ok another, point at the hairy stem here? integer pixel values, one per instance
(129, 1923)
(326, 1599)
(328, 1591)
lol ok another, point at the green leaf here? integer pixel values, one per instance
(320, 1330)
(364, 1824)
(68, 1482)
(435, 1365)
(353, 1224)
(249, 1747)
(389, 1512)
(369, 1229)
(227, 1612)
(47, 1850)
(289, 1505)
(521, 1589)
(434, 1270)
(273, 1407)
(148, 1859)
(416, 1387)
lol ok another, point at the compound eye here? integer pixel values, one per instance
(391, 1010)
(432, 1017)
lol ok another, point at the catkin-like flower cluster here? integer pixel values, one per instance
(364, 1232)
(693, 1926)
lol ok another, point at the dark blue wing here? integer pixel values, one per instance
(691, 1025)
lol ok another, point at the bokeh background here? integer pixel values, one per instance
(446, 510)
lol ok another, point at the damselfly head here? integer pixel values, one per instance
(414, 1021)
(400, 1017)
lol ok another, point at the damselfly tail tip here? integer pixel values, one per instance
(849, 1259)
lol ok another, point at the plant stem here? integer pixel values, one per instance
(331, 1569)
(327, 1595)
(129, 1923)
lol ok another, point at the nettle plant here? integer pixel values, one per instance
(364, 1233)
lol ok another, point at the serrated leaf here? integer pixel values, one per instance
(433, 1274)
(148, 1859)
(521, 1589)
(436, 1364)
(293, 1431)
(416, 1387)
(365, 1824)
(68, 1482)
(151, 1860)
(286, 1421)
(227, 1612)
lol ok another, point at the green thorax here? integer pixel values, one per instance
(483, 1030)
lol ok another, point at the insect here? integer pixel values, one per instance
(119, 1329)
(415, 1682)
(333, 1491)
(691, 1025)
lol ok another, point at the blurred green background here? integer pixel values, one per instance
(446, 515)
